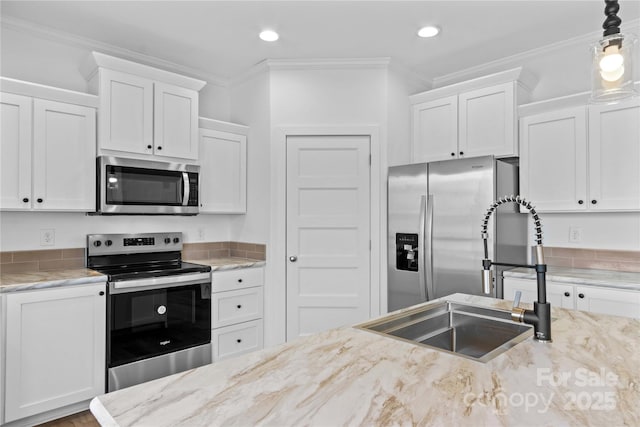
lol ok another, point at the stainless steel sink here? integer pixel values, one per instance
(474, 332)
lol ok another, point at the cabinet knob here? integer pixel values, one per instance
(149, 147)
(239, 306)
(567, 294)
(239, 280)
(580, 202)
(39, 200)
(159, 148)
(580, 295)
(594, 201)
(238, 340)
(101, 293)
(453, 154)
(25, 200)
(462, 153)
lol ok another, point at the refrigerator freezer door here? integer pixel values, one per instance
(462, 191)
(407, 188)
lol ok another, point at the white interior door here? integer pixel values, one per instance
(328, 232)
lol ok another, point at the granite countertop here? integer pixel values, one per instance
(14, 282)
(588, 376)
(222, 264)
(583, 276)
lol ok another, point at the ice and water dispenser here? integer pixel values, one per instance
(407, 252)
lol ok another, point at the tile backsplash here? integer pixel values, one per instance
(598, 259)
(56, 259)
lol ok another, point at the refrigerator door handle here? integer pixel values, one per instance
(422, 281)
(428, 253)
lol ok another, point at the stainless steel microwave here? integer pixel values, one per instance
(142, 187)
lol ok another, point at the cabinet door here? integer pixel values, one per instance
(15, 151)
(223, 172)
(435, 130)
(55, 348)
(614, 156)
(126, 113)
(615, 302)
(487, 122)
(553, 160)
(64, 151)
(558, 294)
(175, 122)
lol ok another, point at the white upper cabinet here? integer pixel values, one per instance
(144, 111)
(553, 162)
(15, 151)
(468, 119)
(582, 159)
(614, 156)
(48, 150)
(223, 167)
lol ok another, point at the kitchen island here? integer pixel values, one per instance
(588, 376)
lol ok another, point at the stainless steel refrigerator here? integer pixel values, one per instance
(435, 212)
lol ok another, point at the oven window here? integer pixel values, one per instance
(138, 186)
(150, 323)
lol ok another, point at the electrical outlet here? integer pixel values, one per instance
(47, 237)
(575, 234)
(200, 234)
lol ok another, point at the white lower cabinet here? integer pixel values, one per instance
(236, 312)
(594, 299)
(54, 350)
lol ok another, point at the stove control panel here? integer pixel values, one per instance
(111, 244)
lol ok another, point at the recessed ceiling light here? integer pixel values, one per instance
(269, 36)
(429, 31)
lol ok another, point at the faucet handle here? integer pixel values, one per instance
(516, 299)
(517, 313)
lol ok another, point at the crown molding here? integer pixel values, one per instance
(36, 90)
(256, 70)
(63, 37)
(517, 59)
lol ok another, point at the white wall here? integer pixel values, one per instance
(251, 106)
(29, 56)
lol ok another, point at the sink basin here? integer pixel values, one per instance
(477, 333)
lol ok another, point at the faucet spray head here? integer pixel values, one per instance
(487, 277)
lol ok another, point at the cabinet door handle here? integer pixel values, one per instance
(580, 295)
(25, 200)
(580, 202)
(594, 201)
(39, 200)
(567, 294)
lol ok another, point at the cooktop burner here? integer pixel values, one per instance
(137, 271)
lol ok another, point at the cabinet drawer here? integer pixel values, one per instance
(237, 339)
(232, 307)
(237, 279)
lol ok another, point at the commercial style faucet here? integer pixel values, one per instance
(540, 316)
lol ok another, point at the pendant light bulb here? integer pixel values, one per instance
(612, 64)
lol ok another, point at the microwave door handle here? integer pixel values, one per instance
(185, 189)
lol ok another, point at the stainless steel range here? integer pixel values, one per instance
(158, 307)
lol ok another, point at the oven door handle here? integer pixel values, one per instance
(185, 189)
(158, 283)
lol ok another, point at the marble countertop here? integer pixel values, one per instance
(14, 282)
(588, 376)
(583, 276)
(222, 264)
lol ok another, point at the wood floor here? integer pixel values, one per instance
(81, 419)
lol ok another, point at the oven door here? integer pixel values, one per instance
(130, 186)
(144, 323)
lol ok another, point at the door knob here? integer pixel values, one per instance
(293, 258)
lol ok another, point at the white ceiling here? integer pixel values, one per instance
(220, 37)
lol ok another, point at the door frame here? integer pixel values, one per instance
(276, 296)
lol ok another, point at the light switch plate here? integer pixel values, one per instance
(575, 234)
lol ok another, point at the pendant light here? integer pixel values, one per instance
(612, 68)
